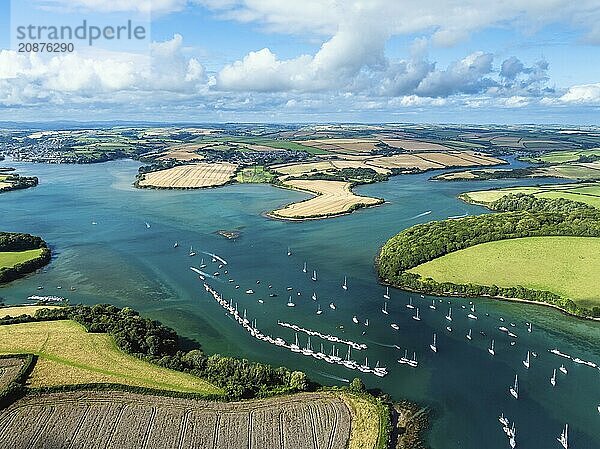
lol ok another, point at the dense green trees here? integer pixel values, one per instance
(19, 182)
(156, 343)
(10, 241)
(519, 216)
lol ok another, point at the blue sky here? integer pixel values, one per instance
(311, 60)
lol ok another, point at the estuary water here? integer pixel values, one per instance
(95, 222)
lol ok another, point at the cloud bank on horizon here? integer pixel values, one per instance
(350, 75)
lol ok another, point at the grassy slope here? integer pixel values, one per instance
(11, 258)
(364, 430)
(588, 193)
(256, 174)
(563, 265)
(69, 355)
(557, 157)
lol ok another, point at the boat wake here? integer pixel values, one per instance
(220, 259)
(420, 215)
(386, 346)
(331, 376)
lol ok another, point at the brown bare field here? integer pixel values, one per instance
(415, 145)
(190, 176)
(9, 368)
(22, 310)
(333, 198)
(127, 421)
(183, 152)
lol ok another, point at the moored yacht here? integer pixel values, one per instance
(470, 335)
(386, 295)
(290, 303)
(345, 284)
(433, 345)
(332, 306)
(410, 304)
(384, 310)
(514, 389)
(289, 251)
(304, 268)
(192, 253)
(354, 319)
(416, 317)
(314, 275)
(395, 326)
(553, 378)
(432, 306)
(449, 316)
(563, 369)
(563, 439)
(526, 362)
(175, 245)
(491, 348)
(319, 311)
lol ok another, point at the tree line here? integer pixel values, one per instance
(518, 216)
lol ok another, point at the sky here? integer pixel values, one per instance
(425, 61)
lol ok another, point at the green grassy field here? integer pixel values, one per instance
(11, 258)
(69, 355)
(588, 193)
(256, 174)
(557, 157)
(567, 266)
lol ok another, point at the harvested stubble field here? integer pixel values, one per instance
(342, 145)
(128, 420)
(68, 355)
(333, 198)
(190, 176)
(183, 152)
(22, 310)
(415, 145)
(9, 369)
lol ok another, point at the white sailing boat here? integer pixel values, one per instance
(405, 358)
(387, 293)
(345, 284)
(564, 437)
(354, 319)
(432, 306)
(470, 335)
(449, 316)
(384, 310)
(192, 253)
(512, 437)
(395, 326)
(314, 275)
(529, 327)
(553, 378)
(416, 317)
(176, 244)
(563, 369)
(202, 264)
(491, 348)
(147, 225)
(319, 311)
(410, 304)
(290, 303)
(413, 362)
(295, 347)
(514, 390)
(304, 268)
(526, 362)
(472, 315)
(503, 420)
(314, 296)
(332, 306)
(433, 345)
(367, 322)
(289, 251)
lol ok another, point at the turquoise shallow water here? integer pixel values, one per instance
(120, 261)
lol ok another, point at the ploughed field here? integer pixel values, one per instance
(11, 258)
(68, 355)
(333, 198)
(127, 421)
(567, 266)
(190, 176)
(588, 193)
(9, 369)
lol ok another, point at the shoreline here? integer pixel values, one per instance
(387, 283)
